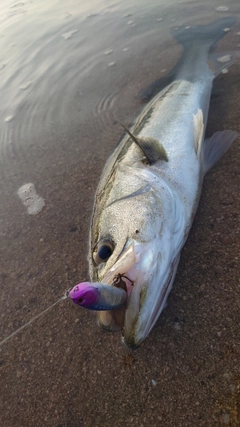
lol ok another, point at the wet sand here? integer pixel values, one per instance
(61, 370)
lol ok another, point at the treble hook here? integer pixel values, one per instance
(119, 283)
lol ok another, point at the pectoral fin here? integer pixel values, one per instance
(198, 129)
(213, 148)
(151, 147)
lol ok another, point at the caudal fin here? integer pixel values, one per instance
(206, 35)
(197, 41)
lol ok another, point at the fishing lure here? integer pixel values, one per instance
(99, 296)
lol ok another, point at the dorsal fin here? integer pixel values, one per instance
(151, 147)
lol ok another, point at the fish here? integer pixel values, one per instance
(149, 190)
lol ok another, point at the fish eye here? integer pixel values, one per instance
(103, 251)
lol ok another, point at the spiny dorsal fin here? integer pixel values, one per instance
(151, 147)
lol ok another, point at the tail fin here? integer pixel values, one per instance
(197, 42)
(194, 39)
(208, 35)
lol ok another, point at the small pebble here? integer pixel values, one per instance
(222, 9)
(226, 376)
(111, 64)
(226, 30)
(25, 86)
(130, 22)
(8, 119)
(125, 49)
(224, 71)
(154, 383)
(31, 199)
(159, 19)
(108, 52)
(225, 58)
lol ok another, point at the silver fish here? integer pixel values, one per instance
(149, 190)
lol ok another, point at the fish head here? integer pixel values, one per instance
(134, 237)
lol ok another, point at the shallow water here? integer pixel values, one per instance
(68, 71)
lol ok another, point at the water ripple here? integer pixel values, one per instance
(104, 107)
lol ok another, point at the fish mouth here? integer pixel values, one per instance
(113, 320)
(147, 293)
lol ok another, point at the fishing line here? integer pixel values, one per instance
(32, 320)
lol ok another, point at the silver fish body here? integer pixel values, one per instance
(144, 208)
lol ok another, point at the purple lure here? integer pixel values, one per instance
(98, 296)
(84, 294)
